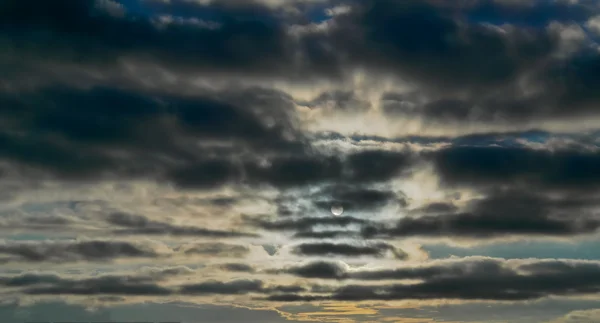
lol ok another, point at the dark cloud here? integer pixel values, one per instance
(473, 278)
(137, 224)
(319, 269)
(466, 57)
(327, 234)
(306, 168)
(160, 273)
(100, 288)
(346, 101)
(59, 251)
(252, 39)
(30, 279)
(279, 289)
(493, 166)
(243, 136)
(135, 284)
(301, 170)
(431, 45)
(513, 212)
(502, 212)
(348, 250)
(449, 49)
(82, 32)
(378, 165)
(237, 267)
(46, 130)
(214, 249)
(48, 284)
(439, 207)
(240, 286)
(355, 198)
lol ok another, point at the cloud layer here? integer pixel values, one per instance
(169, 150)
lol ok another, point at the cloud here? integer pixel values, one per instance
(501, 213)
(238, 45)
(485, 61)
(150, 282)
(238, 136)
(214, 249)
(495, 213)
(379, 165)
(355, 198)
(137, 224)
(305, 223)
(229, 110)
(328, 234)
(106, 286)
(487, 166)
(237, 267)
(319, 269)
(62, 251)
(57, 139)
(110, 284)
(496, 279)
(347, 250)
(467, 279)
(240, 286)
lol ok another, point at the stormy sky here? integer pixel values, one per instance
(177, 160)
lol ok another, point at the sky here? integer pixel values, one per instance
(177, 161)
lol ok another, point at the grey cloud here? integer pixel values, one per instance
(44, 284)
(49, 137)
(305, 223)
(356, 198)
(214, 249)
(348, 250)
(241, 286)
(135, 284)
(237, 267)
(444, 49)
(57, 139)
(346, 101)
(61, 251)
(282, 289)
(501, 213)
(514, 211)
(469, 279)
(487, 166)
(159, 273)
(239, 44)
(327, 234)
(379, 165)
(318, 269)
(137, 224)
(439, 207)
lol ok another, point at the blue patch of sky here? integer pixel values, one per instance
(585, 249)
(317, 14)
(136, 7)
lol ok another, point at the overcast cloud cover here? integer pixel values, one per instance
(177, 160)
